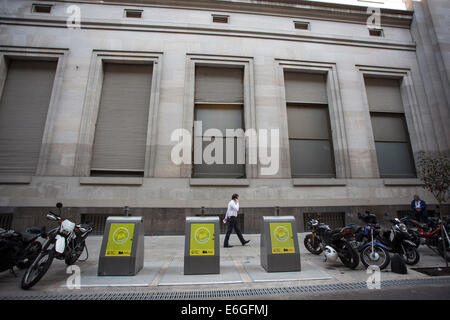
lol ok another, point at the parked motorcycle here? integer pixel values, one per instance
(430, 234)
(312, 241)
(19, 249)
(65, 242)
(398, 240)
(333, 243)
(372, 251)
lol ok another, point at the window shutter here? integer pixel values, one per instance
(389, 128)
(308, 122)
(221, 117)
(311, 158)
(219, 85)
(304, 87)
(23, 112)
(121, 130)
(383, 95)
(392, 145)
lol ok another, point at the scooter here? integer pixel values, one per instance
(398, 240)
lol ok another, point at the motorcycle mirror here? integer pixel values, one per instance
(59, 205)
(51, 216)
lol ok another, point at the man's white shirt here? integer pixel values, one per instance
(232, 209)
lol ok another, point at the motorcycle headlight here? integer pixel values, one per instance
(67, 226)
(402, 227)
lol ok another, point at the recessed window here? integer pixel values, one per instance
(310, 139)
(376, 32)
(217, 18)
(41, 8)
(122, 123)
(219, 105)
(132, 13)
(390, 130)
(301, 25)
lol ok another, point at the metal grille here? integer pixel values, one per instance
(233, 294)
(6, 220)
(333, 219)
(98, 221)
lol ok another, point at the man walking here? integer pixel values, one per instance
(231, 218)
(419, 208)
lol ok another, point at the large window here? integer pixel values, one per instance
(310, 143)
(122, 123)
(389, 127)
(23, 113)
(219, 99)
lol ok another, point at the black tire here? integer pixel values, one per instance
(312, 245)
(349, 256)
(73, 257)
(368, 261)
(411, 256)
(40, 266)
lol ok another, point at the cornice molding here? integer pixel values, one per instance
(57, 22)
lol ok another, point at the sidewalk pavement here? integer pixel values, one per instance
(163, 271)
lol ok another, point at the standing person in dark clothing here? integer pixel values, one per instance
(231, 218)
(419, 209)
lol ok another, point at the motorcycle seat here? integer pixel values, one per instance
(28, 237)
(334, 231)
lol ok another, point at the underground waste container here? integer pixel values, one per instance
(279, 244)
(202, 247)
(122, 250)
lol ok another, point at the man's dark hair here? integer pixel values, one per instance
(234, 196)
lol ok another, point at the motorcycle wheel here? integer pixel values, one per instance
(411, 256)
(381, 260)
(312, 245)
(32, 252)
(37, 269)
(349, 256)
(74, 255)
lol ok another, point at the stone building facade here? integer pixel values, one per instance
(93, 91)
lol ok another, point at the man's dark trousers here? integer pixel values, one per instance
(233, 223)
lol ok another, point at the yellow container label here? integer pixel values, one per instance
(120, 240)
(202, 239)
(281, 237)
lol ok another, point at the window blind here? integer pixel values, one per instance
(301, 87)
(23, 112)
(122, 123)
(383, 95)
(219, 85)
